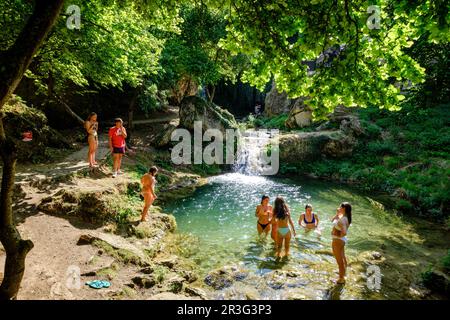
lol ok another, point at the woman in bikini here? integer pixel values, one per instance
(148, 181)
(91, 126)
(341, 223)
(283, 220)
(264, 214)
(309, 220)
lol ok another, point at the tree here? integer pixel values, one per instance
(19, 49)
(368, 64)
(126, 51)
(14, 61)
(193, 56)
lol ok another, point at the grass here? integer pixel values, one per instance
(122, 255)
(405, 153)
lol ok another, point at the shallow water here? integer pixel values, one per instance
(220, 217)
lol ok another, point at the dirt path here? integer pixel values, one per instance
(56, 257)
(72, 163)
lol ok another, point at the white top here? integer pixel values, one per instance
(341, 224)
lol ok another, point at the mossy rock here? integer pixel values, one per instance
(194, 108)
(95, 207)
(156, 226)
(18, 118)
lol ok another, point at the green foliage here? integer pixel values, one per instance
(446, 262)
(276, 122)
(279, 36)
(409, 157)
(194, 54)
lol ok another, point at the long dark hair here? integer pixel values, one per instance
(153, 170)
(280, 208)
(348, 211)
(90, 116)
(264, 197)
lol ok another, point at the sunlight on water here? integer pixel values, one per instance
(221, 215)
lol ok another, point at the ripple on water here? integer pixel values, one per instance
(221, 215)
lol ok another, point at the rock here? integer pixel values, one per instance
(276, 102)
(167, 296)
(175, 284)
(224, 277)
(194, 108)
(18, 118)
(196, 292)
(339, 146)
(376, 255)
(300, 115)
(128, 252)
(163, 137)
(156, 227)
(148, 270)
(295, 296)
(437, 281)
(133, 188)
(306, 146)
(418, 292)
(168, 262)
(188, 275)
(144, 282)
(85, 239)
(89, 205)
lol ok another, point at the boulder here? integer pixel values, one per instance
(93, 206)
(437, 281)
(308, 146)
(144, 282)
(163, 137)
(195, 292)
(175, 284)
(18, 118)
(300, 115)
(276, 102)
(194, 108)
(224, 277)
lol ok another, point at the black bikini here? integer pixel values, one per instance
(263, 226)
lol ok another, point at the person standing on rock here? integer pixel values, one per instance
(117, 136)
(264, 214)
(148, 181)
(91, 126)
(341, 222)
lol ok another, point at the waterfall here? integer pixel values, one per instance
(252, 151)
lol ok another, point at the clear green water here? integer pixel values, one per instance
(220, 217)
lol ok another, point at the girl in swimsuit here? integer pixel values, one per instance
(264, 214)
(341, 223)
(91, 126)
(148, 181)
(309, 220)
(283, 219)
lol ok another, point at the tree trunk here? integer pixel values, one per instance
(68, 109)
(16, 249)
(15, 61)
(211, 92)
(131, 108)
